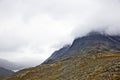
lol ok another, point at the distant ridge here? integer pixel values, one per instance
(5, 72)
(9, 65)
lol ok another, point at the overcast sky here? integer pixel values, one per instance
(30, 30)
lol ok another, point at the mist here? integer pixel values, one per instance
(105, 19)
(30, 31)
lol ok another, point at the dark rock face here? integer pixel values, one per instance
(94, 42)
(5, 72)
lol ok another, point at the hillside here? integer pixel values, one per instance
(95, 56)
(5, 72)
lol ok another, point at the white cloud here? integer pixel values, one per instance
(33, 29)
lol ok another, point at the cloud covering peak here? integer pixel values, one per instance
(105, 18)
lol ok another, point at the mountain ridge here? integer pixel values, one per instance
(93, 40)
(85, 43)
(95, 56)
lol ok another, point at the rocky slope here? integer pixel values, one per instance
(95, 56)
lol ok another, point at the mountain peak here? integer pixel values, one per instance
(93, 42)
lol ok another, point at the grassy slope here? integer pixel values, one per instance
(99, 66)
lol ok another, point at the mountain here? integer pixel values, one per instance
(9, 65)
(94, 42)
(5, 72)
(95, 56)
